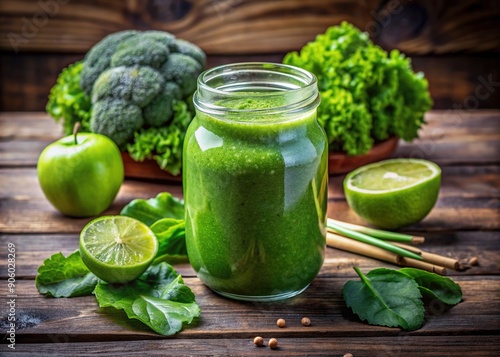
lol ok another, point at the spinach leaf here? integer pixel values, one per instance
(435, 286)
(164, 205)
(61, 276)
(385, 297)
(171, 234)
(158, 299)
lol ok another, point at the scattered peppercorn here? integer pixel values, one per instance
(273, 343)
(305, 321)
(258, 341)
(281, 323)
(473, 261)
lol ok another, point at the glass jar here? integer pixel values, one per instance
(255, 181)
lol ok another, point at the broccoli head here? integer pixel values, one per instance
(137, 85)
(142, 72)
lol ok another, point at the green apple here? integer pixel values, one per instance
(81, 174)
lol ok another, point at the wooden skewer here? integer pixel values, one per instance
(437, 259)
(413, 263)
(357, 247)
(354, 246)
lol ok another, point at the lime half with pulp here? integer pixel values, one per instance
(117, 249)
(393, 193)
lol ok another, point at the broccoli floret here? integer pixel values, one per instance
(138, 85)
(183, 70)
(188, 49)
(117, 119)
(164, 38)
(159, 111)
(140, 50)
(98, 58)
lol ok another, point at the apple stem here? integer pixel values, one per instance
(75, 131)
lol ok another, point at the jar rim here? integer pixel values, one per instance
(296, 85)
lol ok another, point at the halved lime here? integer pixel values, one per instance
(117, 249)
(393, 193)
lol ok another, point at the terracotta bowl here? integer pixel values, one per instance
(147, 169)
(338, 163)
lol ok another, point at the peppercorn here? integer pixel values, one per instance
(306, 321)
(258, 341)
(281, 323)
(348, 355)
(273, 343)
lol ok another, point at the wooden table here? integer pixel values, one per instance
(464, 223)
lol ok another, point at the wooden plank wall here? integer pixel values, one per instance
(456, 44)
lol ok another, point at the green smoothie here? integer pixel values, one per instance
(256, 196)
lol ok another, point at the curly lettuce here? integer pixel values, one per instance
(67, 101)
(367, 94)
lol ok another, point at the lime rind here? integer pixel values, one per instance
(394, 207)
(117, 248)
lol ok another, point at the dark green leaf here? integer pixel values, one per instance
(435, 286)
(164, 205)
(158, 299)
(61, 276)
(171, 234)
(385, 297)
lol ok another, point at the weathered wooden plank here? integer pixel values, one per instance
(440, 124)
(450, 137)
(471, 206)
(404, 345)
(80, 319)
(23, 191)
(23, 89)
(229, 26)
(243, 26)
(32, 250)
(426, 26)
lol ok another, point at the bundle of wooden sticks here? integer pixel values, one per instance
(387, 246)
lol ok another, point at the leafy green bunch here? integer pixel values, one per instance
(367, 94)
(134, 87)
(158, 298)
